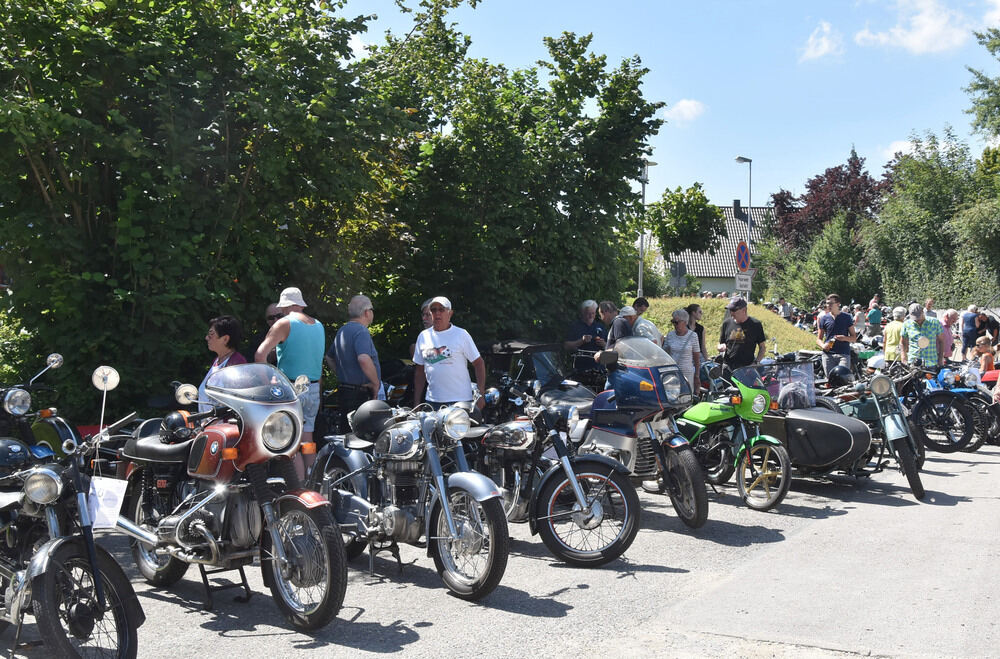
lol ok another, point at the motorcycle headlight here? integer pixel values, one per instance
(17, 402)
(278, 431)
(43, 486)
(455, 422)
(971, 380)
(880, 385)
(674, 386)
(759, 404)
(948, 378)
(492, 396)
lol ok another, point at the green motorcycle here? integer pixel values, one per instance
(724, 433)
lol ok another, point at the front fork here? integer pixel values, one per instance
(560, 447)
(435, 461)
(86, 528)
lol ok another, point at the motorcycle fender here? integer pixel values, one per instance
(556, 468)
(758, 439)
(354, 460)
(308, 498)
(895, 427)
(479, 486)
(40, 563)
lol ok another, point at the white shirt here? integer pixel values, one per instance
(445, 357)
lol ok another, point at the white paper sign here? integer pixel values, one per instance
(105, 501)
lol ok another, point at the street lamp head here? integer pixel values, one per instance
(743, 159)
(649, 163)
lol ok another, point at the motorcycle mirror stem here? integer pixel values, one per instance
(55, 360)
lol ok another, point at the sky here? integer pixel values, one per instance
(791, 84)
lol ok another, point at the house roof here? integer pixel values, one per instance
(723, 262)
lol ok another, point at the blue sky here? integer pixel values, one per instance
(791, 84)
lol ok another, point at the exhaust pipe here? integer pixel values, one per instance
(142, 535)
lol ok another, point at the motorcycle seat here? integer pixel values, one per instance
(578, 396)
(151, 449)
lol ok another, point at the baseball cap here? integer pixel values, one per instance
(916, 310)
(291, 297)
(736, 303)
(627, 311)
(442, 300)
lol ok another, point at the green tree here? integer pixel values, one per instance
(685, 220)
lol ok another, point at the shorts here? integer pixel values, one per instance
(310, 406)
(968, 342)
(833, 359)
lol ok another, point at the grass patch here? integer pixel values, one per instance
(789, 337)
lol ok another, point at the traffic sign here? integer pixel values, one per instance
(742, 256)
(744, 282)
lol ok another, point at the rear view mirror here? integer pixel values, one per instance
(186, 394)
(607, 358)
(55, 360)
(105, 378)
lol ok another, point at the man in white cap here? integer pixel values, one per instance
(442, 356)
(299, 341)
(621, 326)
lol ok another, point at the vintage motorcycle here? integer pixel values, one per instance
(634, 424)
(219, 490)
(724, 433)
(44, 431)
(583, 506)
(389, 486)
(50, 565)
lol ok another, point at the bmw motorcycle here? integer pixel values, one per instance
(389, 486)
(219, 490)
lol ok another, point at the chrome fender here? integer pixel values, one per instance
(574, 460)
(479, 486)
(354, 460)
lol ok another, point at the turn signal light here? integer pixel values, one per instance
(309, 448)
(736, 400)
(230, 453)
(928, 376)
(47, 412)
(774, 404)
(645, 386)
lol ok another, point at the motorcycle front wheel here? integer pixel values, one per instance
(908, 464)
(67, 611)
(594, 538)
(981, 408)
(309, 590)
(944, 422)
(471, 564)
(764, 476)
(685, 484)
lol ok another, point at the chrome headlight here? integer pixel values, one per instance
(455, 422)
(43, 485)
(17, 402)
(759, 404)
(948, 377)
(971, 380)
(278, 431)
(492, 396)
(674, 386)
(880, 385)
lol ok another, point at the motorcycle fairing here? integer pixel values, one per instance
(626, 381)
(605, 415)
(708, 412)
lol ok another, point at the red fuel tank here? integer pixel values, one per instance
(208, 458)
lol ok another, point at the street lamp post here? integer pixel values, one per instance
(749, 163)
(646, 164)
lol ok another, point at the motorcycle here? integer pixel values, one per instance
(50, 565)
(965, 382)
(583, 506)
(634, 424)
(942, 420)
(44, 432)
(724, 434)
(219, 489)
(388, 484)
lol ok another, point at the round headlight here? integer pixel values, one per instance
(948, 377)
(492, 396)
(759, 404)
(971, 380)
(278, 431)
(17, 402)
(880, 385)
(43, 485)
(455, 422)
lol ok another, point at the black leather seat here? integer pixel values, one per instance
(151, 449)
(577, 395)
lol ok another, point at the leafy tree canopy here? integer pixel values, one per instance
(684, 220)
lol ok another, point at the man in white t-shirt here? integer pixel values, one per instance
(442, 356)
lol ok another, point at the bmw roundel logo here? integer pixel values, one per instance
(214, 448)
(14, 448)
(277, 391)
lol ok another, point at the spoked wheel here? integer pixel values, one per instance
(944, 422)
(981, 407)
(908, 464)
(472, 563)
(309, 588)
(159, 569)
(717, 457)
(336, 469)
(594, 536)
(686, 486)
(68, 612)
(764, 475)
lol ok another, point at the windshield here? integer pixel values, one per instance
(261, 383)
(793, 385)
(639, 351)
(546, 368)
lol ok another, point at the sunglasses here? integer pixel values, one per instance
(275, 316)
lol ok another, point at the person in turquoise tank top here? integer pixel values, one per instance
(300, 342)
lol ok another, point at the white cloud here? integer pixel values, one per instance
(358, 47)
(992, 17)
(899, 146)
(823, 41)
(924, 26)
(686, 109)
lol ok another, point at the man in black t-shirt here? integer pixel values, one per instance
(742, 337)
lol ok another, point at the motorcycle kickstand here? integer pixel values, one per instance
(209, 601)
(392, 548)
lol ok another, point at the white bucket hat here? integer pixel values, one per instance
(291, 297)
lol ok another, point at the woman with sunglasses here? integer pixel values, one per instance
(223, 338)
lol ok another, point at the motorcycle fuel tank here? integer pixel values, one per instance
(208, 459)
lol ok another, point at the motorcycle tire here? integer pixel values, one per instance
(65, 606)
(580, 541)
(318, 536)
(685, 483)
(763, 486)
(717, 457)
(157, 570)
(982, 408)
(828, 403)
(921, 454)
(943, 422)
(354, 546)
(484, 535)
(908, 464)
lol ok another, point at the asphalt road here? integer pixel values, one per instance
(840, 568)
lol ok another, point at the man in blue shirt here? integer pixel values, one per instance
(585, 334)
(835, 334)
(354, 358)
